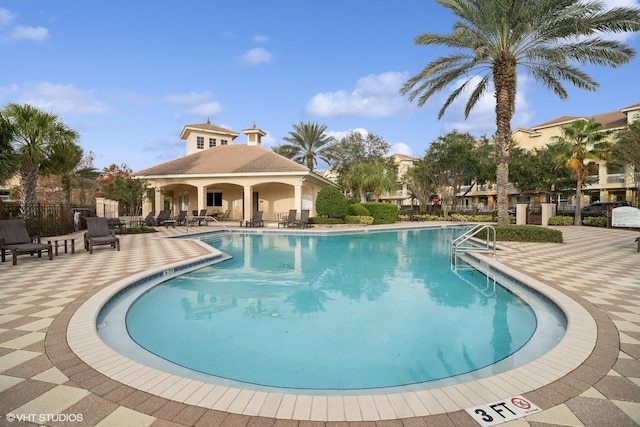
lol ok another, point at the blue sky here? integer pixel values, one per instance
(129, 75)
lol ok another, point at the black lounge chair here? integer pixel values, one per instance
(148, 219)
(98, 233)
(290, 221)
(15, 238)
(163, 216)
(256, 221)
(303, 222)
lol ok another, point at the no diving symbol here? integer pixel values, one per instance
(521, 403)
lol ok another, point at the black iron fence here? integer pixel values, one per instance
(46, 220)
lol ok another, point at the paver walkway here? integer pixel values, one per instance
(42, 381)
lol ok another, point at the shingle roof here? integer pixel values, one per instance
(225, 159)
(611, 120)
(207, 127)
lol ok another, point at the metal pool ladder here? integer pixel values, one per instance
(463, 243)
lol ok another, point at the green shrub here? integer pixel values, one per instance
(359, 219)
(561, 220)
(595, 221)
(135, 230)
(525, 233)
(331, 203)
(358, 210)
(382, 213)
(325, 220)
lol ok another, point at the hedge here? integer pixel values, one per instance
(525, 233)
(357, 209)
(359, 219)
(331, 203)
(382, 213)
(561, 220)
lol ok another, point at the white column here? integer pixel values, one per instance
(202, 198)
(159, 201)
(297, 197)
(248, 203)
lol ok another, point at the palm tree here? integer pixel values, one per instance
(376, 177)
(495, 37)
(39, 137)
(308, 143)
(581, 141)
(9, 161)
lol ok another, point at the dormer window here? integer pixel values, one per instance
(212, 142)
(200, 142)
(223, 142)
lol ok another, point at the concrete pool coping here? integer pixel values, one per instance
(576, 347)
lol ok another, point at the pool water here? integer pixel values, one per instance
(346, 312)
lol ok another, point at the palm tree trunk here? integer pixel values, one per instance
(504, 79)
(577, 216)
(28, 186)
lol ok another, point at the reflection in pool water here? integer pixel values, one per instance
(357, 311)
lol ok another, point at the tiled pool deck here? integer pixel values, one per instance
(40, 374)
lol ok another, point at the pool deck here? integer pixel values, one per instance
(40, 376)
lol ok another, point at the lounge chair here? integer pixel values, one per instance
(225, 216)
(148, 220)
(181, 219)
(256, 221)
(162, 217)
(303, 222)
(290, 220)
(15, 238)
(98, 233)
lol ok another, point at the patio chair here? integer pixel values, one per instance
(303, 222)
(148, 220)
(98, 233)
(163, 216)
(256, 221)
(15, 238)
(225, 216)
(181, 219)
(290, 220)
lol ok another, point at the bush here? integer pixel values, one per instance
(359, 219)
(135, 230)
(358, 210)
(595, 221)
(382, 213)
(525, 233)
(331, 203)
(561, 220)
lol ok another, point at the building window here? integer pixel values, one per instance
(214, 199)
(212, 142)
(200, 143)
(223, 142)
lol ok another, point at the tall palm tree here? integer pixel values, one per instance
(308, 143)
(581, 141)
(495, 37)
(38, 137)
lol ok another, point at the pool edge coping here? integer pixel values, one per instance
(370, 407)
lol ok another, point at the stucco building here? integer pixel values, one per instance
(611, 183)
(218, 174)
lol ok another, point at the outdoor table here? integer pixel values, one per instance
(63, 242)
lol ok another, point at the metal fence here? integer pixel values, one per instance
(45, 220)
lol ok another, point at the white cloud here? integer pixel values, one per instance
(376, 95)
(190, 98)
(205, 109)
(339, 134)
(62, 99)
(268, 141)
(256, 56)
(28, 33)
(259, 38)
(401, 148)
(6, 16)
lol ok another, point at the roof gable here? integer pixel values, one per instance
(226, 159)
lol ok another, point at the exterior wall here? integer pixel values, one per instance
(191, 141)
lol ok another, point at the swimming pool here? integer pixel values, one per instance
(377, 312)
